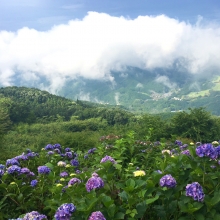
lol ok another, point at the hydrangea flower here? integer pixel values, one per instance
(33, 183)
(43, 170)
(91, 151)
(166, 151)
(1, 173)
(178, 142)
(57, 146)
(167, 181)
(107, 158)
(65, 211)
(34, 215)
(186, 152)
(183, 147)
(207, 150)
(69, 154)
(2, 166)
(159, 171)
(12, 161)
(85, 156)
(50, 152)
(57, 151)
(61, 164)
(195, 191)
(49, 147)
(73, 181)
(95, 182)
(64, 174)
(14, 169)
(139, 173)
(24, 170)
(78, 171)
(67, 149)
(74, 162)
(96, 216)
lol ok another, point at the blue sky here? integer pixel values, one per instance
(63, 40)
(43, 14)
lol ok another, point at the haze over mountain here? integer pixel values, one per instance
(116, 59)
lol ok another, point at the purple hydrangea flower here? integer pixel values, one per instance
(1, 172)
(2, 166)
(207, 150)
(74, 162)
(31, 154)
(24, 170)
(96, 216)
(34, 215)
(61, 164)
(78, 171)
(92, 150)
(95, 182)
(186, 152)
(33, 183)
(195, 191)
(31, 174)
(69, 154)
(57, 151)
(179, 143)
(43, 170)
(183, 147)
(67, 149)
(159, 171)
(50, 152)
(218, 150)
(86, 156)
(49, 147)
(12, 161)
(107, 158)
(57, 146)
(64, 174)
(14, 169)
(168, 181)
(74, 181)
(65, 211)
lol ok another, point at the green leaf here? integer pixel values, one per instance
(215, 199)
(123, 195)
(141, 209)
(149, 201)
(119, 215)
(20, 197)
(107, 201)
(199, 216)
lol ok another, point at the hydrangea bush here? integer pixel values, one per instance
(129, 180)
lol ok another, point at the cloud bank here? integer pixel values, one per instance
(100, 43)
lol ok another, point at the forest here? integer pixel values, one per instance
(65, 159)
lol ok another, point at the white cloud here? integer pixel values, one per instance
(99, 43)
(165, 81)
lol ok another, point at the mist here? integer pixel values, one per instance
(98, 44)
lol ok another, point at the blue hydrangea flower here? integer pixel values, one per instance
(57, 151)
(186, 152)
(49, 147)
(33, 183)
(167, 181)
(96, 216)
(107, 158)
(65, 211)
(24, 170)
(57, 146)
(12, 161)
(183, 147)
(14, 169)
(1, 172)
(207, 150)
(74, 162)
(2, 166)
(69, 154)
(195, 191)
(50, 152)
(43, 170)
(95, 182)
(64, 174)
(179, 143)
(74, 181)
(92, 150)
(86, 156)
(34, 215)
(67, 149)
(78, 171)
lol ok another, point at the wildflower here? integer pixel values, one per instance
(43, 170)
(168, 181)
(68, 166)
(34, 215)
(64, 174)
(139, 173)
(72, 174)
(191, 143)
(96, 216)
(59, 184)
(62, 179)
(14, 169)
(65, 211)
(215, 143)
(95, 182)
(33, 183)
(73, 181)
(49, 147)
(195, 191)
(61, 164)
(107, 158)
(74, 162)
(12, 161)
